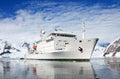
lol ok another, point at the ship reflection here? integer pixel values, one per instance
(61, 70)
(34, 69)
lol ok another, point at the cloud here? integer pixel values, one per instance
(27, 23)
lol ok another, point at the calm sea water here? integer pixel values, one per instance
(36, 69)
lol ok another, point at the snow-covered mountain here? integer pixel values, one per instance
(108, 49)
(113, 48)
(99, 51)
(12, 50)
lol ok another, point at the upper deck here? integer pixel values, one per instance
(61, 34)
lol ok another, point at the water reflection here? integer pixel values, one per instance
(107, 68)
(36, 69)
(113, 63)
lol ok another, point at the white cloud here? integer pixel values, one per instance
(101, 23)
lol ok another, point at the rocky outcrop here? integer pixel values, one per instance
(5, 47)
(113, 48)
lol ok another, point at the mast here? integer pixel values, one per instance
(83, 31)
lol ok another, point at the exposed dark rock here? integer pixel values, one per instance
(5, 47)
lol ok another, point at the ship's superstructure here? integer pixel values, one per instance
(63, 45)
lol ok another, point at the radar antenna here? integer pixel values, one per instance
(56, 28)
(42, 32)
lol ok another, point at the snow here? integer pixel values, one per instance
(98, 52)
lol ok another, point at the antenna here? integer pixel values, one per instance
(83, 30)
(56, 28)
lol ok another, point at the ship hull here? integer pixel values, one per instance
(73, 53)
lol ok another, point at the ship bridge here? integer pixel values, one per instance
(62, 34)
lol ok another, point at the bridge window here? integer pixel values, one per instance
(63, 35)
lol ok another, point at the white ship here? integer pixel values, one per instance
(61, 45)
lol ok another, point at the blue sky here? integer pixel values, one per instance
(22, 20)
(9, 7)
